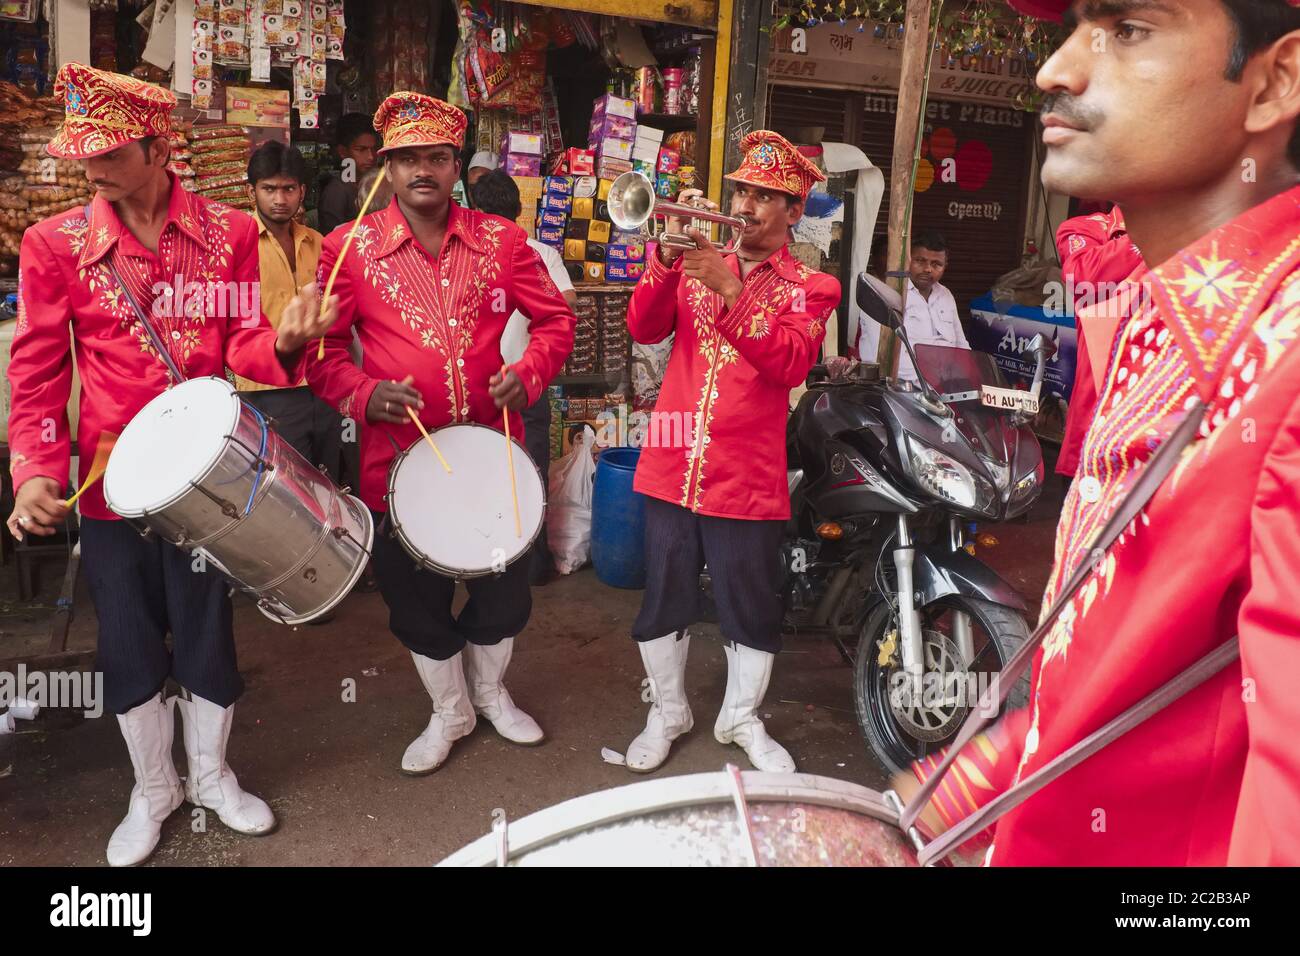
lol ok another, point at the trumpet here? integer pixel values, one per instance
(633, 204)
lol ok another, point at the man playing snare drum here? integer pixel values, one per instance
(141, 239)
(430, 286)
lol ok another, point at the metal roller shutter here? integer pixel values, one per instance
(993, 184)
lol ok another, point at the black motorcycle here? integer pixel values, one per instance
(886, 479)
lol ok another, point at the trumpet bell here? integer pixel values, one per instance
(631, 201)
(633, 204)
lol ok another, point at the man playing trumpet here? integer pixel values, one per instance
(748, 328)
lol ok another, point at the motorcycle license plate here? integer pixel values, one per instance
(1009, 399)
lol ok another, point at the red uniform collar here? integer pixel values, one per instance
(786, 265)
(105, 228)
(392, 226)
(1211, 293)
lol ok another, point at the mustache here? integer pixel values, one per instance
(1072, 110)
(422, 182)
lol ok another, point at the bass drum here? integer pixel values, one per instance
(708, 819)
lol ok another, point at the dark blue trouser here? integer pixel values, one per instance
(144, 588)
(419, 601)
(744, 561)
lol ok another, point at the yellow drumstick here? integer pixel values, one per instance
(427, 437)
(510, 462)
(97, 467)
(329, 285)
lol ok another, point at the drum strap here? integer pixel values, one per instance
(154, 338)
(1144, 489)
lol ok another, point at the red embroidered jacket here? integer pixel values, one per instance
(1093, 249)
(438, 320)
(716, 439)
(1213, 779)
(64, 286)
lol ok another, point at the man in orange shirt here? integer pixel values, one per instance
(287, 257)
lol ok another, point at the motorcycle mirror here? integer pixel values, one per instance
(1041, 344)
(874, 298)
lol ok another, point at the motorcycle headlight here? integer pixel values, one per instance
(949, 479)
(1027, 485)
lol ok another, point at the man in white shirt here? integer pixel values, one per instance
(496, 193)
(930, 313)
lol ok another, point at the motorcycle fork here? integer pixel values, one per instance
(909, 618)
(961, 628)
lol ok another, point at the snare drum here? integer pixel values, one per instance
(462, 525)
(204, 471)
(788, 819)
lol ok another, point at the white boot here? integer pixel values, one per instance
(670, 715)
(453, 714)
(748, 672)
(485, 667)
(211, 783)
(147, 729)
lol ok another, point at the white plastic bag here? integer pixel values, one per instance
(568, 513)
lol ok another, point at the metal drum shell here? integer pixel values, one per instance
(303, 543)
(796, 820)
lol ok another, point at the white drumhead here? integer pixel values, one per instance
(174, 439)
(464, 522)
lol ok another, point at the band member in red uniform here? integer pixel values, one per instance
(1214, 778)
(748, 329)
(1096, 255)
(430, 286)
(142, 236)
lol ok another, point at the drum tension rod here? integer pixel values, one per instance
(256, 458)
(341, 532)
(502, 829)
(227, 509)
(895, 804)
(742, 811)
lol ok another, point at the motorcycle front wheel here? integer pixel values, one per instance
(901, 726)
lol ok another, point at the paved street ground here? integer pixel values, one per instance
(330, 769)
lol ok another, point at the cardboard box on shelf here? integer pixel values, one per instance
(551, 235)
(610, 168)
(595, 272)
(645, 152)
(562, 185)
(584, 208)
(595, 252)
(602, 189)
(522, 143)
(580, 162)
(556, 202)
(597, 230)
(611, 127)
(522, 164)
(552, 218)
(578, 229)
(575, 250)
(610, 105)
(625, 252)
(584, 187)
(624, 271)
(607, 149)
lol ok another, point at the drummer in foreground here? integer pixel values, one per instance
(157, 237)
(430, 286)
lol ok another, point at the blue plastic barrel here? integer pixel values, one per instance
(618, 521)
